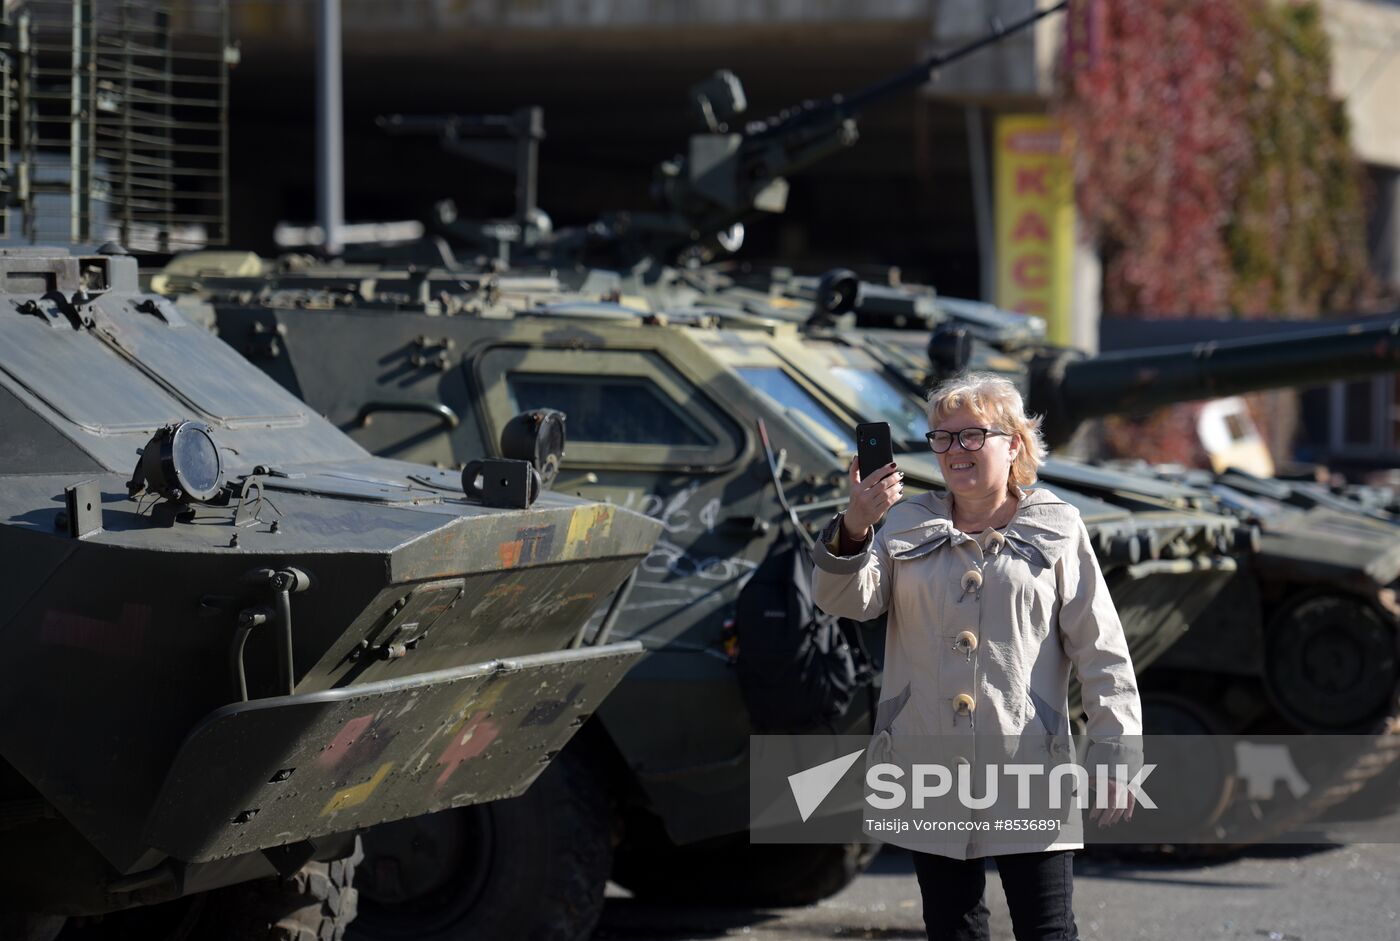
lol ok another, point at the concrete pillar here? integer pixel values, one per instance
(1086, 295)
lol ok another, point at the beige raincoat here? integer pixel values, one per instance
(982, 631)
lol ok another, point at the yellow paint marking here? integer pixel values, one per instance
(587, 523)
(357, 795)
(475, 701)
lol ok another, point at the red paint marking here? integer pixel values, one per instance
(510, 553)
(473, 738)
(334, 753)
(122, 637)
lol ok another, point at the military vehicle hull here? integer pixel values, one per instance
(220, 689)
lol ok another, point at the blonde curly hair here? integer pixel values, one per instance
(996, 401)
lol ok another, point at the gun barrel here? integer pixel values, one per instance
(1139, 380)
(910, 78)
(918, 74)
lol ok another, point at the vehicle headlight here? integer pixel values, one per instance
(182, 463)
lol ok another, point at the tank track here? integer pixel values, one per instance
(1245, 823)
(1381, 751)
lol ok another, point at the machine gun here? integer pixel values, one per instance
(730, 175)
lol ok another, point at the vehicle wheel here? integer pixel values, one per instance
(1331, 664)
(316, 903)
(532, 868)
(26, 927)
(740, 873)
(1186, 735)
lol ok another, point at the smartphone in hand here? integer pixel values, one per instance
(873, 448)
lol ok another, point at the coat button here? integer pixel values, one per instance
(971, 581)
(963, 704)
(967, 641)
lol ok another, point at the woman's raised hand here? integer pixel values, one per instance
(871, 498)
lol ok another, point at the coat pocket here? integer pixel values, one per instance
(889, 709)
(1049, 719)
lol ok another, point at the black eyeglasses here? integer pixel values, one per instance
(971, 439)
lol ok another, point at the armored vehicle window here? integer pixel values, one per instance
(609, 410)
(625, 407)
(884, 401)
(783, 389)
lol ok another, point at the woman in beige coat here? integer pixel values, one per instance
(992, 591)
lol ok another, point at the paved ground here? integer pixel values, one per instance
(1343, 893)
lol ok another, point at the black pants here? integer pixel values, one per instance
(1039, 891)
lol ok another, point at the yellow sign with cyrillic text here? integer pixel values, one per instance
(1035, 220)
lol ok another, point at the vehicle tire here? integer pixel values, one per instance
(316, 903)
(532, 868)
(739, 873)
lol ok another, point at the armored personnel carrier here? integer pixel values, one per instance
(222, 664)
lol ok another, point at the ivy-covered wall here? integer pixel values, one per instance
(1215, 174)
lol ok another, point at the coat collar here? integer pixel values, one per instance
(1039, 532)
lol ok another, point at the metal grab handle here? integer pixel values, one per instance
(444, 413)
(281, 585)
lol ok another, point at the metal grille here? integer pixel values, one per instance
(120, 108)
